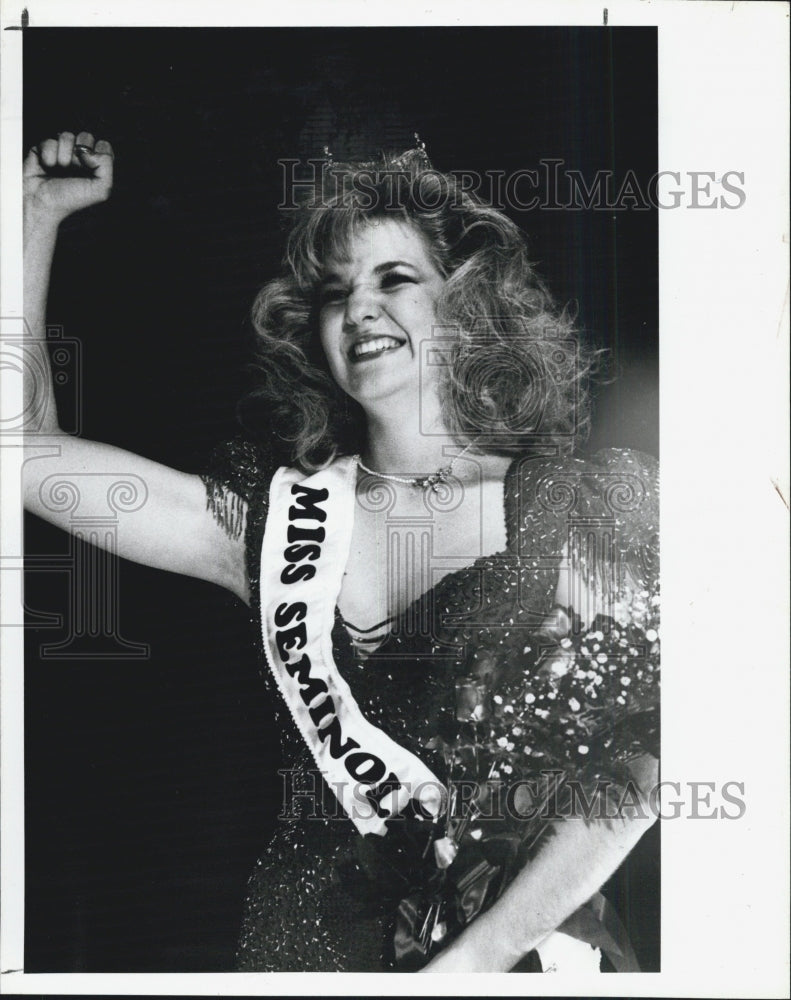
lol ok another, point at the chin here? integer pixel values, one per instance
(369, 383)
(380, 395)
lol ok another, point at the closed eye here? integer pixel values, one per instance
(395, 278)
(334, 294)
(331, 295)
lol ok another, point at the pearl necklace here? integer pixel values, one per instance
(429, 482)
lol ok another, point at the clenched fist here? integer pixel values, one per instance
(64, 175)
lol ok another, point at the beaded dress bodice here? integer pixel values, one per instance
(310, 906)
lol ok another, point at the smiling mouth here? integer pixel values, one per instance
(366, 350)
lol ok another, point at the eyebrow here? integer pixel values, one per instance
(387, 265)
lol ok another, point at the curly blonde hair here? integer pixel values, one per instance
(516, 373)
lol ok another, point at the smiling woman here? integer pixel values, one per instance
(452, 608)
(459, 577)
(412, 255)
(423, 334)
(381, 300)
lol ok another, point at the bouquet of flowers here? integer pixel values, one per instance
(551, 739)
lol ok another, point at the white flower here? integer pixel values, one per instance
(517, 731)
(582, 749)
(574, 705)
(565, 643)
(502, 742)
(626, 681)
(498, 699)
(529, 698)
(652, 635)
(601, 658)
(507, 768)
(438, 931)
(509, 709)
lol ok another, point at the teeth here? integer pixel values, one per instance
(374, 346)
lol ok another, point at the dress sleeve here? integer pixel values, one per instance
(601, 512)
(585, 698)
(237, 477)
(623, 491)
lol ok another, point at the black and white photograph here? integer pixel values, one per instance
(340, 351)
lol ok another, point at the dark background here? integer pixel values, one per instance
(151, 784)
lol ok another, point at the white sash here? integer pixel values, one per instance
(304, 554)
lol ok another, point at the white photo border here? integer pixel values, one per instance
(723, 95)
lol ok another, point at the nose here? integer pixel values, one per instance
(362, 307)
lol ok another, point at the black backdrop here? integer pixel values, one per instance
(150, 782)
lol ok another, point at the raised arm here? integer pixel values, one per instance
(172, 528)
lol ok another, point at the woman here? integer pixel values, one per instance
(405, 521)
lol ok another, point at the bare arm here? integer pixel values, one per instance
(171, 528)
(570, 867)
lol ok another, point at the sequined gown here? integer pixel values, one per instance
(310, 906)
